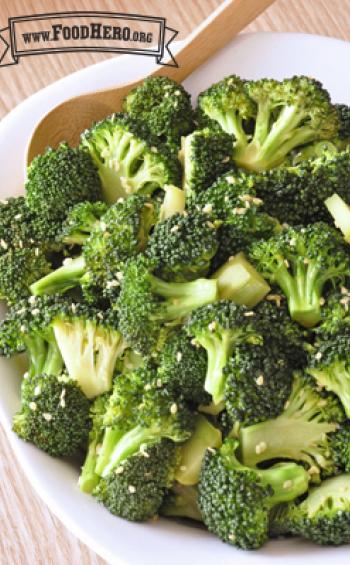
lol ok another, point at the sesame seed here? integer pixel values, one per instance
(249, 313)
(208, 208)
(119, 470)
(225, 159)
(286, 262)
(313, 470)
(318, 355)
(159, 383)
(177, 93)
(154, 149)
(274, 298)
(260, 448)
(131, 489)
(47, 416)
(67, 261)
(148, 386)
(287, 484)
(344, 290)
(32, 300)
(257, 201)
(212, 326)
(231, 537)
(37, 252)
(211, 450)
(62, 400)
(35, 311)
(143, 450)
(26, 375)
(286, 404)
(173, 409)
(112, 284)
(73, 307)
(37, 390)
(3, 244)
(183, 467)
(100, 315)
(306, 261)
(119, 275)
(260, 380)
(120, 200)
(322, 301)
(178, 356)
(23, 328)
(211, 225)
(239, 211)
(32, 406)
(18, 216)
(230, 180)
(174, 229)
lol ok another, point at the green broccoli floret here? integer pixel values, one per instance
(335, 315)
(276, 323)
(235, 500)
(81, 221)
(135, 490)
(19, 269)
(128, 158)
(302, 432)
(228, 104)
(324, 516)
(181, 502)
(60, 178)
(121, 233)
(301, 261)
(219, 328)
(258, 383)
(329, 365)
(164, 105)
(205, 155)
(11, 342)
(340, 444)
(344, 120)
(146, 301)
(182, 368)
(54, 414)
(183, 246)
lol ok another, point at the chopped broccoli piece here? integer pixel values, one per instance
(181, 502)
(258, 383)
(301, 432)
(59, 179)
(129, 160)
(173, 202)
(205, 154)
(219, 328)
(302, 260)
(81, 221)
(146, 301)
(183, 246)
(164, 105)
(235, 500)
(54, 414)
(182, 368)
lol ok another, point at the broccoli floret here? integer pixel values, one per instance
(295, 193)
(11, 342)
(19, 269)
(301, 261)
(258, 383)
(324, 516)
(228, 104)
(121, 233)
(205, 154)
(276, 323)
(340, 444)
(219, 328)
(301, 432)
(181, 502)
(182, 368)
(191, 453)
(329, 365)
(164, 105)
(129, 160)
(183, 246)
(146, 301)
(344, 121)
(135, 491)
(54, 414)
(335, 315)
(235, 500)
(81, 221)
(59, 179)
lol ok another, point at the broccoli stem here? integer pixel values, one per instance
(182, 298)
(62, 279)
(231, 123)
(219, 349)
(335, 378)
(340, 212)
(54, 363)
(37, 351)
(89, 479)
(110, 439)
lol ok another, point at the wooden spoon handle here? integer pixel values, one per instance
(212, 35)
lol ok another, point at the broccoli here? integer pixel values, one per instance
(192, 452)
(19, 269)
(183, 246)
(135, 490)
(60, 178)
(344, 120)
(54, 414)
(258, 383)
(235, 500)
(323, 516)
(181, 502)
(285, 114)
(182, 367)
(301, 261)
(81, 221)
(295, 193)
(340, 212)
(335, 315)
(205, 154)
(128, 158)
(174, 202)
(146, 301)
(164, 105)
(301, 432)
(11, 342)
(121, 233)
(329, 365)
(219, 328)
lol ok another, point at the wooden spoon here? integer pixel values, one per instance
(67, 120)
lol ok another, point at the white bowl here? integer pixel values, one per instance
(276, 55)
